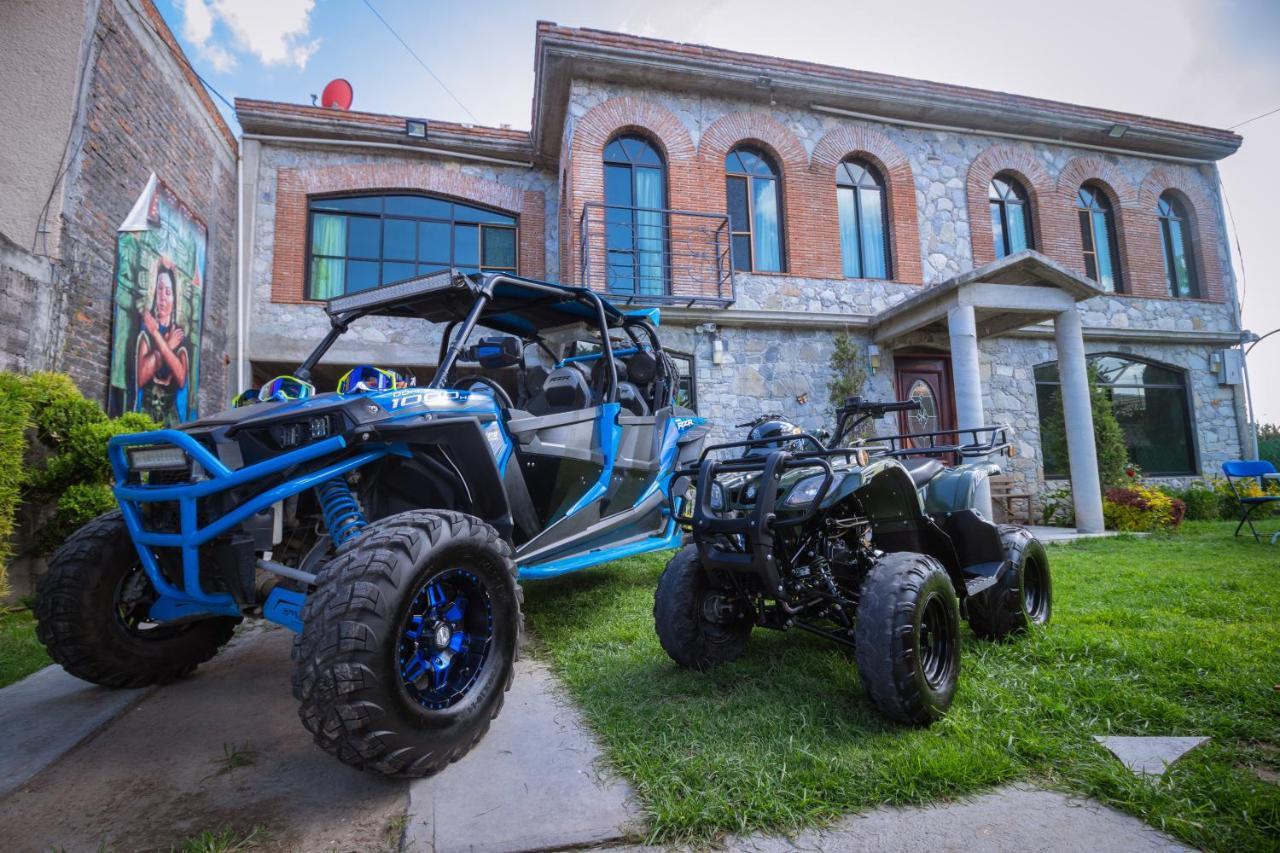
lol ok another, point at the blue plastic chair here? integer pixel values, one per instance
(1252, 469)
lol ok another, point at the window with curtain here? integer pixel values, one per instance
(1010, 222)
(635, 197)
(1098, 237)
(864, 235)
(1150, 403)
(361, 241)
(755, 210)
(1175, 239)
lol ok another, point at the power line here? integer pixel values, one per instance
(1255, 118)
(420, 62)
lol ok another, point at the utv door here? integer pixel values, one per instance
(592, 477)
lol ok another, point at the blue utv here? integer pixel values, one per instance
(386, 523)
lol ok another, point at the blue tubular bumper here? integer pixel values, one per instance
(191, 598)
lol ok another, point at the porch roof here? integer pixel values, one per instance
(1009, 293)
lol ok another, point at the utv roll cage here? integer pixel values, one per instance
(505, 303)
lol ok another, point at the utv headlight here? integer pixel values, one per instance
(807, 489)
(157, 457)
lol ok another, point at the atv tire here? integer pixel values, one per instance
(91, 608)
(908, 638)
(357, 647)
(1024, 594)
(688, 635)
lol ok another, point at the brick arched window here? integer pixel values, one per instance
(355, 242)
(864, 229)
(1010, 215)
(635, 197)
(1098, 237)
(1176, 242)
(754, 200)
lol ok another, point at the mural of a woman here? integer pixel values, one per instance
(162, 363)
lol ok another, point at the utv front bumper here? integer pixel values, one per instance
(173, 469)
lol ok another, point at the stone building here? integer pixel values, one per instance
(981, 250)
(97, 97)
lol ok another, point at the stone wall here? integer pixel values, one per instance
(938, 165)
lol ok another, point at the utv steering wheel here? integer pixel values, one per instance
(499, 393)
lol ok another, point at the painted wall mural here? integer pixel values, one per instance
(159, 308)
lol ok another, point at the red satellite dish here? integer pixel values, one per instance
(337, 95)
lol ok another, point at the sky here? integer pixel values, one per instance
(1212, 62)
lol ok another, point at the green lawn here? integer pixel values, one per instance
(20, 652)
(1163, 635)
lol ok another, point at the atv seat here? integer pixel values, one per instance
(922, 470)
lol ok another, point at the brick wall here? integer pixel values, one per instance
(143, 115)
(295, 185)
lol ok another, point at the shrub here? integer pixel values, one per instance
(1202, 502)
(1229, 507)
(53, 456)
(15, 415)
(1141, 509)
(1057, 506)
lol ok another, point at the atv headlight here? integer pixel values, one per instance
(157, 457)
(807, 489)
(717, 496)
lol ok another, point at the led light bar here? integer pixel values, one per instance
(392, 293)
(158, 457)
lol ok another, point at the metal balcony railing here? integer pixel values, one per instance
(648, 256)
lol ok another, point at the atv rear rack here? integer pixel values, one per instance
(986, 441)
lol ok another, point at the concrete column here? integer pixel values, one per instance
(1078, 415)
(966, 378)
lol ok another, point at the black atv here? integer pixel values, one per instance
(872, 543)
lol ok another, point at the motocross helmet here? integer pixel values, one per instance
(776, 429)
(367, 377)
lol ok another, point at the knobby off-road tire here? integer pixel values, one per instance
(91, 610)
(1024, 594)
(347, 671)
(908, 638)
(686, 633)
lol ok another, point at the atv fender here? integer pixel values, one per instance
(954, 489)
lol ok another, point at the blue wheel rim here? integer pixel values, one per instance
(445, 640)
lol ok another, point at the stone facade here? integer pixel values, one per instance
(776, 338)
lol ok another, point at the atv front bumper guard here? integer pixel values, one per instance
(210, 478)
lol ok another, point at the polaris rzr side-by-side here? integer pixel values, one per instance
(874, 544)
(383, 522)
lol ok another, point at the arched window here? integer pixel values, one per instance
(755, 210)
(1150, 403)
(1010, 222)
(356, 242)
(1098, 236)
(864, 244)
(635, 197)
(1175, 239)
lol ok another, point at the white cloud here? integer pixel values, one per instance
(275, 32)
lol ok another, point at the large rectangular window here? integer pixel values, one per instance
(359, 242)
(1149, 402)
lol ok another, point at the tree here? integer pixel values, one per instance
(1108, 436)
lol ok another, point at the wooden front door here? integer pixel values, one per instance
(926, 378)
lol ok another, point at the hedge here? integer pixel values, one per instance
(53, 457)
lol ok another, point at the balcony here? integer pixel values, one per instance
(656, 257)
